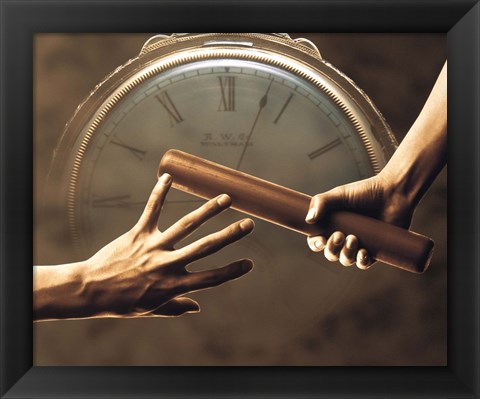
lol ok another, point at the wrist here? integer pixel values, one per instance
(396, 206)
(58, 292)
(398, 189)
(409, 177)
(90, 291)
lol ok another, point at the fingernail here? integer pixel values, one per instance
(247, 265)
(165, 178)
(247, 224)
(310, 215)
(318, 243)
(224, 200)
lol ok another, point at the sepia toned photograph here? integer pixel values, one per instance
(240, 199)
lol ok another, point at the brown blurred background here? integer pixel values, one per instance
(396, 319)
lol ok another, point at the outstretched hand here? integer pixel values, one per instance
(142, 274)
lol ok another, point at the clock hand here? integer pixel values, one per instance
(261, 106)
(135, 151)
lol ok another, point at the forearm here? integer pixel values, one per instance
(423, 152)
(58, 292)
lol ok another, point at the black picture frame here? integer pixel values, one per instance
(21, 19)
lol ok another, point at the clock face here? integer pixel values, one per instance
(256, 117)
(212, 109)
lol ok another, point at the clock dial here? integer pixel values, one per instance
(268, 115)
(257, 119)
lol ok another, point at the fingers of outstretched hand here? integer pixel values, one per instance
(348, 254)
(189, 223)
(216, 241)
(151, 213)
(212, 278)
(177, 307)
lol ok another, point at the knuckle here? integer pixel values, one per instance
(186, 223)
(157, 192)
(339, 191)
(205, 280)
(229, 232)
(136, 230)
(171, 285)
(151, 206)
(209, 209)
(212, 280)
(213, 205)
(208, 243)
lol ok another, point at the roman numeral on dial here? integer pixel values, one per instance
(227, 93)
(325, 148)
(172, 111)
(136, 152)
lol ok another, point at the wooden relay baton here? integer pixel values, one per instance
(288, 208)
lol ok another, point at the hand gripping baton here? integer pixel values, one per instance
(288, 208)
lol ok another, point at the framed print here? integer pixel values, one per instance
(295, 318)
(104, 208)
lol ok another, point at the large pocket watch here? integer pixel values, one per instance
(265, 104)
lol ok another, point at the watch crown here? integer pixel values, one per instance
(309, 45)
(151, 41)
